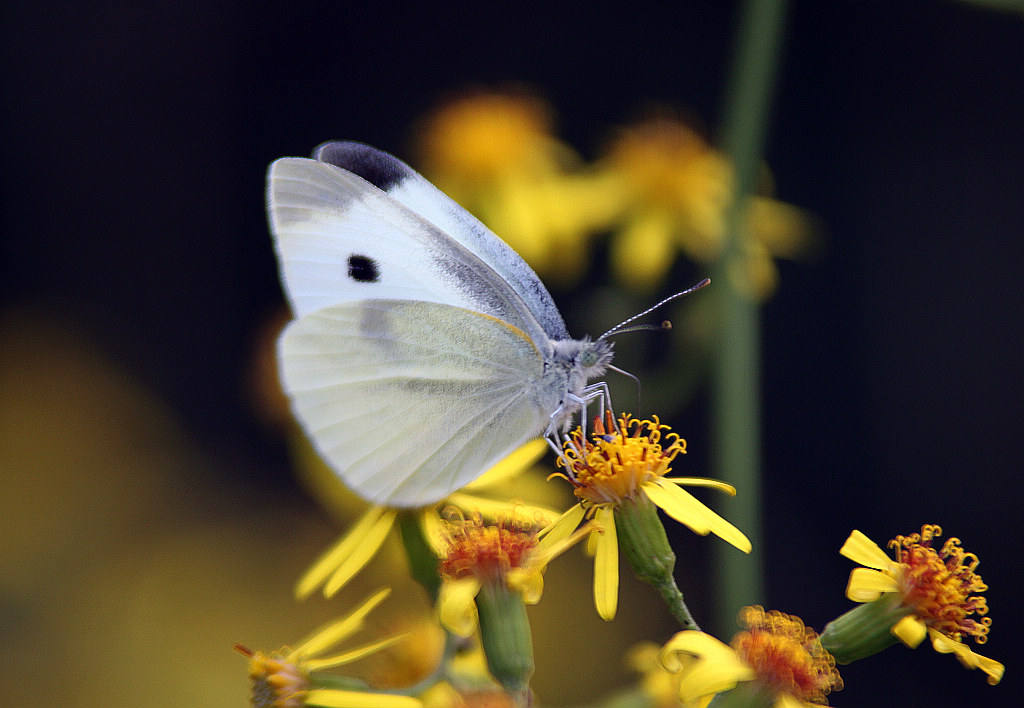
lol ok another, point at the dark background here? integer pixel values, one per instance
(135, 139)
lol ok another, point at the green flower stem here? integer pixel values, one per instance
(643, 542)
(864, 630)
(736, 378)
(422, 561)
(506, 638)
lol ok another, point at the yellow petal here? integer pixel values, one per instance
(679, 504)
(491, 509)
(548, 549)
(563, 527)
(703, 482)
(336, 631)
(351, 655)
(966, 656)
(785, 700)
(866, 585)
(910, 630)
(861, 549)
(686, 509)
(336, 698)
(351, 545)
(456, 607)
(520, 460)
(606, 565)
(361, 553)
(431, 526)
(717, 669)
(643, 250)
(529, 582)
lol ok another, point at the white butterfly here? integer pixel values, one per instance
(424, 349)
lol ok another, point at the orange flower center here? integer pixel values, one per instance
(486, 551)
(611, 466)
(939, 585)
(786, 655)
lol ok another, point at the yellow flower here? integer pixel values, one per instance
(659, 685)
(355, 549)
(937, 592)
(619, 469)
(489, 573)
(507, 553)
(673, 190)
(776, 657)
(494, 153)
(290, 678)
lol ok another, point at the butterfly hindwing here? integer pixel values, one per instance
(408, 401)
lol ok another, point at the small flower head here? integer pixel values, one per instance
(485, 551)
(786, 656)
(495, 153)
(480, 136)
(919, 592)
(614, 464)
(619, 477)
(675, 189)
(941, 586)
(489, 573)
(276, 681)
(774, 656)
(290, 678)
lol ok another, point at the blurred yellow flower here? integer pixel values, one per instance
(507, 553)
(674, 190)
(288, 678)
(775, 655)
(659, 685)
(940, 587)
(494, 153)
(361, 543)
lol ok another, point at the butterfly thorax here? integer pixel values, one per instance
(570, 364)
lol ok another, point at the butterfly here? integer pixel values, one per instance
(423, 349)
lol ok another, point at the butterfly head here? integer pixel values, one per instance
(594, 357)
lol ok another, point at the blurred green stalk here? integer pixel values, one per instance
(736, 397)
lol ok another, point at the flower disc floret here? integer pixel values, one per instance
(940, 585)
(486, 551)
(613, 464)
(786, 656)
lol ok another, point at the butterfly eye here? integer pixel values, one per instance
(363, 269)
(588, 357)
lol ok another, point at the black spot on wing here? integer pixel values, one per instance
(380, 169)
(363, 269)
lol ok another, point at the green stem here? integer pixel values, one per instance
(643, 542)
(736, 376)
(422, 561)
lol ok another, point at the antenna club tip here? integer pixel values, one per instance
(666, 324)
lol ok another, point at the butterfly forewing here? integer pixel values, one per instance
(341, 239)
(411, 189)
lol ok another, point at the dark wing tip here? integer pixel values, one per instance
(380, 169)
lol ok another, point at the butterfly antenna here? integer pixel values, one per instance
(617, 329)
